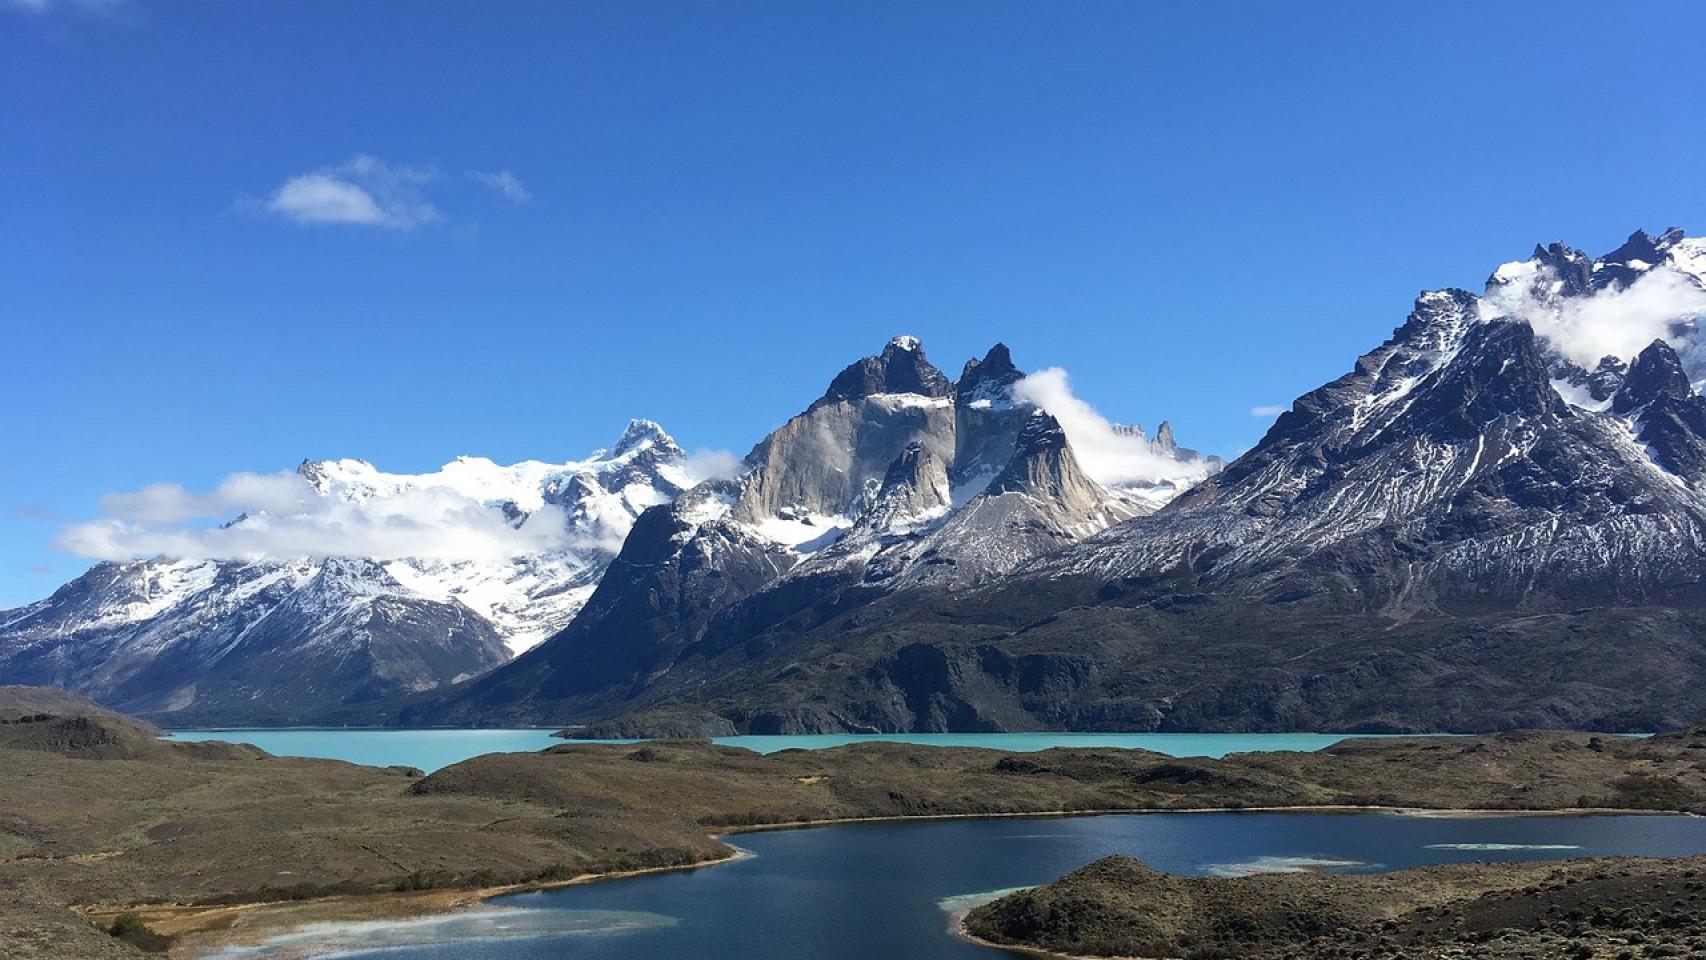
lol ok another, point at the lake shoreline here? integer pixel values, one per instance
(960, 930)
(198, 932)
(358, 841)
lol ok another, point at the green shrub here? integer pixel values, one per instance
(132, 930)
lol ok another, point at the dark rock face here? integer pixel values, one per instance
(900, 368)
(1656, 372)
(987, 378)
(1670, 417)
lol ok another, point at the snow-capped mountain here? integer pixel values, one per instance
(1473, 456)
(896, 476)
(273, 639)
(1496, 519)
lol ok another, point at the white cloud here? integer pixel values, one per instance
(1110, 456)
(323, 198)
(280, 515)
(1265, 410)
(1614, 322)
(505, 183)
(161, 503)
(705, 465)
(365, 191)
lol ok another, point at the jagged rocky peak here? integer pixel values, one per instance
(1605, 380)
(1437, 321)
(1498, 374)
(1638, 254)
(1044, 466)
(1572, 268)
(1164, 442)
(987, 380)
(820, 466)
(321, 475)
(1669, 417)
(900, 368)
(1657, 372)
(645, 433)
(914, 490)
(1558, 272)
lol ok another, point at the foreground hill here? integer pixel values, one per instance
(1476, 528)
(1117, 907)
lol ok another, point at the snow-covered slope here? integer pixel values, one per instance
(1473, 455)
(272, 638)
(530, 596)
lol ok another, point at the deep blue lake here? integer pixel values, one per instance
(432, 749)
(871, 891)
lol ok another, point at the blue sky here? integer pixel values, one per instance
(1195, 209)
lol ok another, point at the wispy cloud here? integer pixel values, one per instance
(1109, 455)
(507, 184)
(705, 465)
(44, 6)
(1267, 410)
(364, 191)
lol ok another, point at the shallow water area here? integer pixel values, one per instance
(484, 924)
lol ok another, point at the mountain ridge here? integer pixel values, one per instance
(283, 640)
(1453, 536)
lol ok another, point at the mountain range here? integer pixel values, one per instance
(1496, 518)
(260, 640)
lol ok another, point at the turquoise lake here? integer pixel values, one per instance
(432, 749)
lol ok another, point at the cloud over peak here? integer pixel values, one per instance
(1617, 321)
(1111, 456)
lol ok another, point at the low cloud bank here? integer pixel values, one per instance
(281, 516)
(1111, 456)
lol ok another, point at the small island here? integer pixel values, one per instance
(1582, 910)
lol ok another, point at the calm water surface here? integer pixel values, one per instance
(864, 892)
(432, 749)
